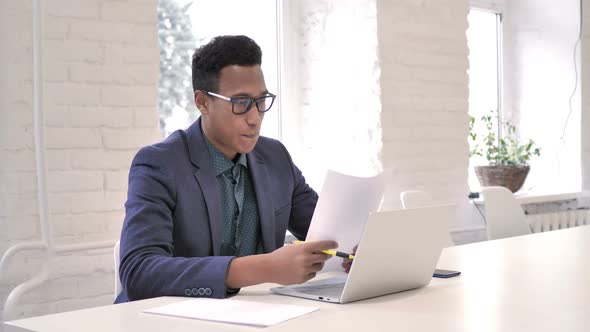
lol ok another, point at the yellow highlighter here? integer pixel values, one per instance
(334, 252)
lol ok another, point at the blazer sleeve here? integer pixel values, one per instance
(148, 268)
(302, 204)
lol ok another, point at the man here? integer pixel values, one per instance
(208, 208)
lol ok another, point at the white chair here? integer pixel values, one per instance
(415, 198)
(118, 287)
(504, 215)
(412, 199)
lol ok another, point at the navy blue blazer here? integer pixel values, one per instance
(171, 237)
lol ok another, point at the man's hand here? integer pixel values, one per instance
(297, 263)
(347, 263)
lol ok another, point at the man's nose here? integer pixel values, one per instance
(254, 117)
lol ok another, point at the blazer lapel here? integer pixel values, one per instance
(205, 176)
(261, 182)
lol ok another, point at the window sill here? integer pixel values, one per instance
(536, 197)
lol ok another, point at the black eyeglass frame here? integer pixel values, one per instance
(251, 101)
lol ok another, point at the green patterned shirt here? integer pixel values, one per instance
(238, 203)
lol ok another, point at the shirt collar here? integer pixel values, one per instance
(221, 163)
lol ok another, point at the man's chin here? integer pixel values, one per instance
(247, 148)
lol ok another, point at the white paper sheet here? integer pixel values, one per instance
(342, 211)
(233, 311)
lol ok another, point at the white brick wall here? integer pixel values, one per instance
(100, 105)
(18, 200)
(423, 51)
(585, 92)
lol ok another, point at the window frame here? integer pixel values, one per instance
(499, 84)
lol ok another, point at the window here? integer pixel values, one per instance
(539, 90)
(484, 41)
(186, 25)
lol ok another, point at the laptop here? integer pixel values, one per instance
(398, 251)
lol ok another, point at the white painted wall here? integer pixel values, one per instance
(585, 90)
(100, 97)
(539, 77)
(491, 5)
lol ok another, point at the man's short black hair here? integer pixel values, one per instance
(209, 59)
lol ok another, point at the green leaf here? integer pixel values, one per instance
(505, 150)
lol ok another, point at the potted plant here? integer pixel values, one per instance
(507, 159)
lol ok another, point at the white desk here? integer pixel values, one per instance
(539, 282)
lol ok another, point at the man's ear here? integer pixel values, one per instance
(201, 102)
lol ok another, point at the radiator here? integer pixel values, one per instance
(544, 222)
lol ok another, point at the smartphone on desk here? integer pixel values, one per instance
(439, 273)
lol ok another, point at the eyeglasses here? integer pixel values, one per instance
(241, 105)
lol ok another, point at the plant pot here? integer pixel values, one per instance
(511, 177)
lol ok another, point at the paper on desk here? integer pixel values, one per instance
(233, 311)
(342, 210)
